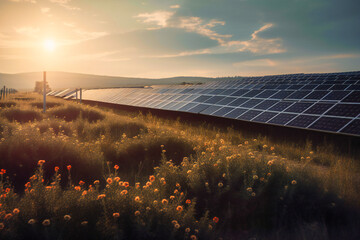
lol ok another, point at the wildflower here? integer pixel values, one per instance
(162, 146)
(188, 201)
(293, 182)
(177, 226)
(176, 191)
(126, 184)
(268, 174)
(101, 196)
(206, 184)
(68, 167)
(174, 222)
(67, 217)
(84, 193)
(262, 179)
(177, 185)
(210, 227)
(116, 167)
(84, 223)
(96, 182)
(116, 215)
(46, 222)
(220, 184)
(255, 177)
(109, 180)
(253, 194)
(117, 179)
(164, 151)
(8, 216)
(224, 175)
(81, 183)
(148, 208)
(137, 199)
(271, 162)
(189, 171)
(265, 146)
(123, 192)
(152, 178)
(41, 162)
(137, 185)
(249, 189)
(155, 202)
(202, 153)
(31, 221)
(216, 219)
(77, 188)
(193, 237)
(164, 201)
(179, 208)
(16, 211)
(56, 169)
(2, 226)
(246, 142)
(137, 213)
(172, 197)
(156, 190)
(311, 152)
(187, 230)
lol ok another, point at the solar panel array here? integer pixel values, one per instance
(326, 102)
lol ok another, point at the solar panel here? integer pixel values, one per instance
(329, 102)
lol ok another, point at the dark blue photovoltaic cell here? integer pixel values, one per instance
(215, 99)
(309, 87)
(223, 111)
(298, 95)
(264, 117)
(210, 110)
(281, 94)
(187, 107)
(238, 102)
(251, 103)
(266, 104)
(240, 92)
(346, 110)
(339, 87)
(280, 106)
(302, 121)
(226, 100)
(329, 124)
(235, 113)
(352, 128)
(252, 93)
(198, 108)
(316, 95)
(266, 93)
(282, 118)
(336, 95)
(324, 87)
(249, 115)
(353, 97)
(201, 98)
(228, 92)
(319, 108)
(298, 107)
(216, 91)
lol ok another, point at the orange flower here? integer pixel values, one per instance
(165, 201)
(101, 196)
(81, 183)
(2, 171)
(46, 222)
(126, 184)
(109, 180)
(116, 215)
(152, 178)
(8, 216)
(2, 226)
(188, 201)
(117, 179)
(123, 192)
(137, 213)
(84, 193)
(215, 219)
(116, 167)
(137, 199)
(56, 169)
(77, 188)
(41, 162)
(68, 167)
(179, 208)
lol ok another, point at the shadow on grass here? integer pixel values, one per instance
(22, 116)
(71, 113)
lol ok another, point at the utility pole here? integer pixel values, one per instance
(44, 92)
(80, 94)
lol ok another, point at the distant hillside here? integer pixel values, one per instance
(61, 80)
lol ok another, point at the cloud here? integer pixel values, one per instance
(258, 44)
(175, 6)
(45, 10)
(159, 18)
(65, 4)
(87, 35)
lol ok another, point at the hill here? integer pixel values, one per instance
(61, 80)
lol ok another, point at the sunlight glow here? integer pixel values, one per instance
(49, 45)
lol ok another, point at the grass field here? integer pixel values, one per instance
(80, 172)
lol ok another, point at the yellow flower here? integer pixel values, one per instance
(253, 194)
(96, 182)
(123, 192)
(137, 199)
(31, 221)
(152, 178)
(116, 215)
(220, 184)
(117, 179)
(255, 177)
(187, 230)
(177, 226)
(249, 189)
(164, 201)
(293, 182)
(101, 196)
(172, 197)
(156, 190)
(109, 180)
(179, 208)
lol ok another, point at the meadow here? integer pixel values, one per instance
(84, 172)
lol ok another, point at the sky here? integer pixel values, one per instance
(166, 38)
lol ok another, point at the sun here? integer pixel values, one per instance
(49, 45)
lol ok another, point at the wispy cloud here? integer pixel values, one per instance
(27, 31)
(175, 6)
(45, 10)
(29, 1)
(65, 4)
(159, 18)
(258, 44)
